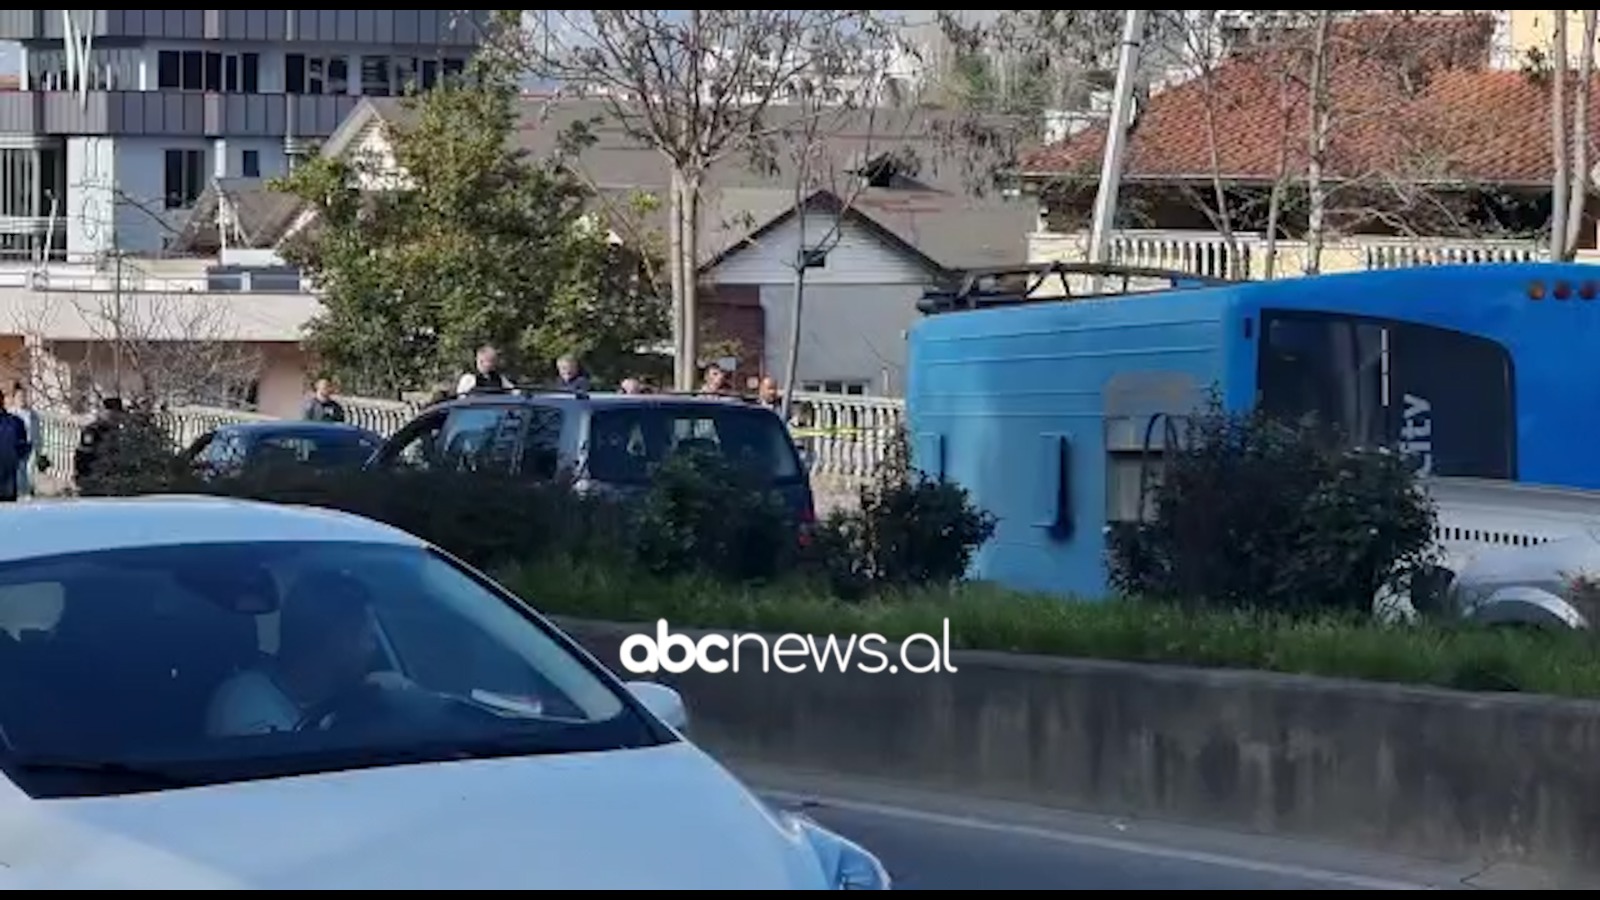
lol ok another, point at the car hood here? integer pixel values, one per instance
(665, 817)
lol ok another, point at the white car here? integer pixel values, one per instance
(203, 693)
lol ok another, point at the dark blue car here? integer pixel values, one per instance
(324, 446)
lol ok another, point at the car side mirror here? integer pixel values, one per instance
(663, 702)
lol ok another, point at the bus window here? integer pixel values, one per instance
(1441, 396)
(1328, 367)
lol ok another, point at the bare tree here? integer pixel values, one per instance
(1570, 179)
(695, 85)
(159, 348)
(826, 188)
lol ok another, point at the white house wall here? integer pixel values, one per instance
(857, 307)
(198, 315)
(858, 257)
(849, 333)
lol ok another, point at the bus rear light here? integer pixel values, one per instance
(1563, 291)
(1587, 290)
(1536, 290)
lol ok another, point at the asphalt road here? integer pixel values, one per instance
(930, 842)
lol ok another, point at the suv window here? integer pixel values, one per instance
(482, 438)
(626, 443)
(541, 447)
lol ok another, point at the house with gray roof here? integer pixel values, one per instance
(905, 199)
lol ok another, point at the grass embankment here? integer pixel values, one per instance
(984, 617)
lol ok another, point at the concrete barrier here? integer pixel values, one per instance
(1454, 776)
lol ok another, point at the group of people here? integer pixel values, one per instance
(571, 376)
(322, 406)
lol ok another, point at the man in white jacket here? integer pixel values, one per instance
(486, 375)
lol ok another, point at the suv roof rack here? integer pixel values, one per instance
(1016, 285)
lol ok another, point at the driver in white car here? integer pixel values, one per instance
(326, 641)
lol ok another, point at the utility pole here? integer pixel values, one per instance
(1105, 200)
(116, 325)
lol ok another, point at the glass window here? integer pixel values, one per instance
(185, 177)
(250, 72)
(213, 81)
(250, 163)
(375, 76)
(169, 75)
(541, 446)
(1442, 396)
(194, 70)
(294, 73)
(338, 75)
(481, 438)
(417, 446)
(138, 669)
(625, 444)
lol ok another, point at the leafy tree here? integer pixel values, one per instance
(460, 240)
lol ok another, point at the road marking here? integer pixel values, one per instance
(1359, 882)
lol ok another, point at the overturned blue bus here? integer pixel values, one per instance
(1052, 411)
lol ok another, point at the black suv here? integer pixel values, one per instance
(608, 442)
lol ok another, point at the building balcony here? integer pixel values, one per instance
(171, 114)
(423, 27)
(1245, 257)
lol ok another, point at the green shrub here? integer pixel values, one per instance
(702, 513)
(910, 529)
(1255, 512)
(133, 456)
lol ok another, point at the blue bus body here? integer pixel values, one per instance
(1049, 411)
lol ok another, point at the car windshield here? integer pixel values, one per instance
(138, 669)
(333, 449)
(626, 444)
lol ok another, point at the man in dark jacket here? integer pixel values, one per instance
(570, 375)
(14, 449)
(94, 435)
(320, 406)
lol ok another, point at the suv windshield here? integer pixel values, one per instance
(138, 669)
(626, 444)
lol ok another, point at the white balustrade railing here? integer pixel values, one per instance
(846, 436)
(1245, 256)
(1399, 253)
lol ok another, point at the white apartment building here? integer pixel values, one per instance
(124, 116)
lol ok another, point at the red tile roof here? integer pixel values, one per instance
(1413, 101)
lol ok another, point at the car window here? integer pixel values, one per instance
(625, 444)
(482, 438)
(236, 661)
(333, 448)
(225, 451)
(418, 444)
(281, 449)
(541, 444)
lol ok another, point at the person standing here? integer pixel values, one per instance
(716, 380)
(570, 375)
(14, 451)
(486, 374)
(321, 405)
(35, 462)
(94, 436)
